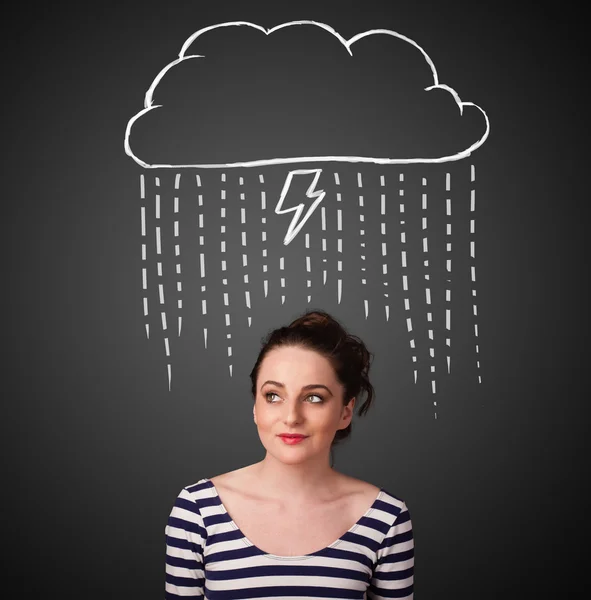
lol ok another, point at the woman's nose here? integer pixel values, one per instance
(293, 412)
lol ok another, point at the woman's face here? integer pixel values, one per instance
(297, 391)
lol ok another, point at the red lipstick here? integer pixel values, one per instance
(292, 438)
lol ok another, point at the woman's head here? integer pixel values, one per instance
(312, 350)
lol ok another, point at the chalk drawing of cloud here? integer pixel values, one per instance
(240, 95)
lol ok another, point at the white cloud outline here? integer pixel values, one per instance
(148, 105)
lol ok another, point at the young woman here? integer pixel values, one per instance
(291, 526)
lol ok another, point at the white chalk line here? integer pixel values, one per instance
(308, 265)
(473, 267)
(224, 265)
(178, 269)
(202, 259)
(384, 244)
(144, 268)
(339, 239)
(324, 242)
(161, 285)
(243, 220)
(405, 277)
(264, 238)
(448, 268)
(362, 233)
(282, 279)
(430, 327)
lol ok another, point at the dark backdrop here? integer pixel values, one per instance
(98, 447)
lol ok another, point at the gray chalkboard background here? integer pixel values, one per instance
(98, 446)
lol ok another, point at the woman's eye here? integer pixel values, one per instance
(320, 398)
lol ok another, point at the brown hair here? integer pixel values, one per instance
(318, 331)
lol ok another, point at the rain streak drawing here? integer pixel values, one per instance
(291, 165)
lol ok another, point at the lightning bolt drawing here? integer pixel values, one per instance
(311, 194)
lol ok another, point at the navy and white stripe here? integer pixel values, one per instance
(208, 557)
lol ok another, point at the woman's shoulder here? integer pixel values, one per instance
(368, 492)
(232, 479)
(361, 487)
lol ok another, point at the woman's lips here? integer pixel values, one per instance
(292, 439)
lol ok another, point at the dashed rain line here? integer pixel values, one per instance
(144, 268)
(473, 266)
(324, 259)
(428, 289)
(281, 268)
(264, 235)
(202, 259)
(224, 266)
(362, 244)
(244, 255)
(161, 285)
(405, 276)
(177, 249)
(308, 265)
(448, 268)
(384, 244)
(339, 241)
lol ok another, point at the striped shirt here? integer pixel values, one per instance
(208, 557)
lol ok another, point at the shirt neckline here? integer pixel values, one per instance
(214, 493)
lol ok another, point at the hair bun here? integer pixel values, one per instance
(313, 319)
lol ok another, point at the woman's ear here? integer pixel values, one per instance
(348, 409)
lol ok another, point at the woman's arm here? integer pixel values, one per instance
(185, 534)
(393, 575)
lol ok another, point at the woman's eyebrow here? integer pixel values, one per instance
(310, 386)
